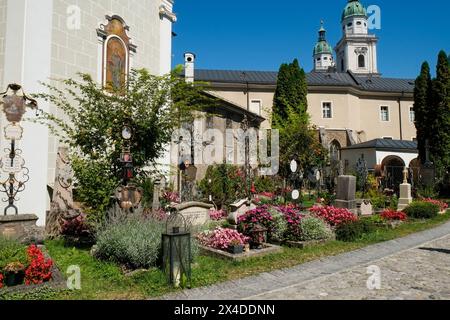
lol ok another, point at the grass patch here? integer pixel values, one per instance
(101, 280)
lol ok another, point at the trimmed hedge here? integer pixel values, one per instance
(354, 230)
(422, 210)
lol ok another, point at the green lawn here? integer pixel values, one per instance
(102, 280)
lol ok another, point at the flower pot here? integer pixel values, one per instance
(236, 249)
(13, 279)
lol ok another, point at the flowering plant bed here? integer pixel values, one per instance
(334, 216)
(40, 273)
(222, 239)
(442, 205)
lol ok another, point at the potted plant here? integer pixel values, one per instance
(236, 246)
(14, 274)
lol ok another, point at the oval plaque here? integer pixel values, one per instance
(13, 132)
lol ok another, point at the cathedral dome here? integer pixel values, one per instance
(354, 8)
(322, 47)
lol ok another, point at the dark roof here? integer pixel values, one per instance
(386, 144)
(366, 83)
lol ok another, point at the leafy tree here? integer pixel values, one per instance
(90, 121)
(422, 98)
(291, 92)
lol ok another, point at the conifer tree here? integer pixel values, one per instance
(440, 120)
(422, 96)
(291, 92)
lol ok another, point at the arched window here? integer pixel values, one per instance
(361, 61)
(335, 151)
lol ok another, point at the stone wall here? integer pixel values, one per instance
(2, 41)
(76, 51)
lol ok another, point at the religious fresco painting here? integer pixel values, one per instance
(116, 53)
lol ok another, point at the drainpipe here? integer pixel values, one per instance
(400, 115)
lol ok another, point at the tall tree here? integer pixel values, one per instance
(291, 92)
(298, 139)
(440, 122)
(422, 98)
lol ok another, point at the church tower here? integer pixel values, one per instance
(357, 50)
(323, 53)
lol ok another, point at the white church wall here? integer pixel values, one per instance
(27, 61)
(79, 49)
(3, 9)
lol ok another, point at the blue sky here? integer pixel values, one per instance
(262, 34)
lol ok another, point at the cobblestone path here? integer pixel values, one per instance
(414, 267)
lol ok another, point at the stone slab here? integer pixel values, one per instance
(21, 227)
(195, 213)
(269, 249)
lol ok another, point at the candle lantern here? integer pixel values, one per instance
(176, 249)
(258, 236)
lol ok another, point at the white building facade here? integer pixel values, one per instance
(44, 40)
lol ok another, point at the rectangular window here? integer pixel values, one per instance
(412, 115)
(327, 111)
(388, 138)
(255, 106)
(385, 114)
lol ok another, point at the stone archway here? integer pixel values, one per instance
(393, 167)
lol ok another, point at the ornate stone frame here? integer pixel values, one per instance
(105, 35)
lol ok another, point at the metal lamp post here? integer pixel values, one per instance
(176, 249)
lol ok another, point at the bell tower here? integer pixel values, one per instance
(323, 53)
(357, 50)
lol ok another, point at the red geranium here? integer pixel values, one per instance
(39, 270)
(1, 280)
(393, 215)
(333, 216)
(442, 205)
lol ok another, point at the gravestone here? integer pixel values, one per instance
(195, 213)
(238, 209)
(62, 205)
(365, 207)
(156, 195)
(346, 193)
(22, 228)
(405, 192)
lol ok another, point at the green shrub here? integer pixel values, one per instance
(132, 241)
(353, 231)
(12, 251)
(422, 210)
(313, 228)
(225, 183)
(280, 225)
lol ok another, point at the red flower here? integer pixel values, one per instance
(1, 280)
(333, 216)
(393, 215)
(39, 270)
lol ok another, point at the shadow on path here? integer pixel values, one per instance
(447, 251)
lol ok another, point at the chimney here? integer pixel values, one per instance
(189, 60)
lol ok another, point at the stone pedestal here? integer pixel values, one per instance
(22, 228)
(405, 196)
(346, 193)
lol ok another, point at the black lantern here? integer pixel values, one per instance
(258, 236)
(176, 249)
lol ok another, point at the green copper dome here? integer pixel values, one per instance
(354, 8)
(322, 47)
